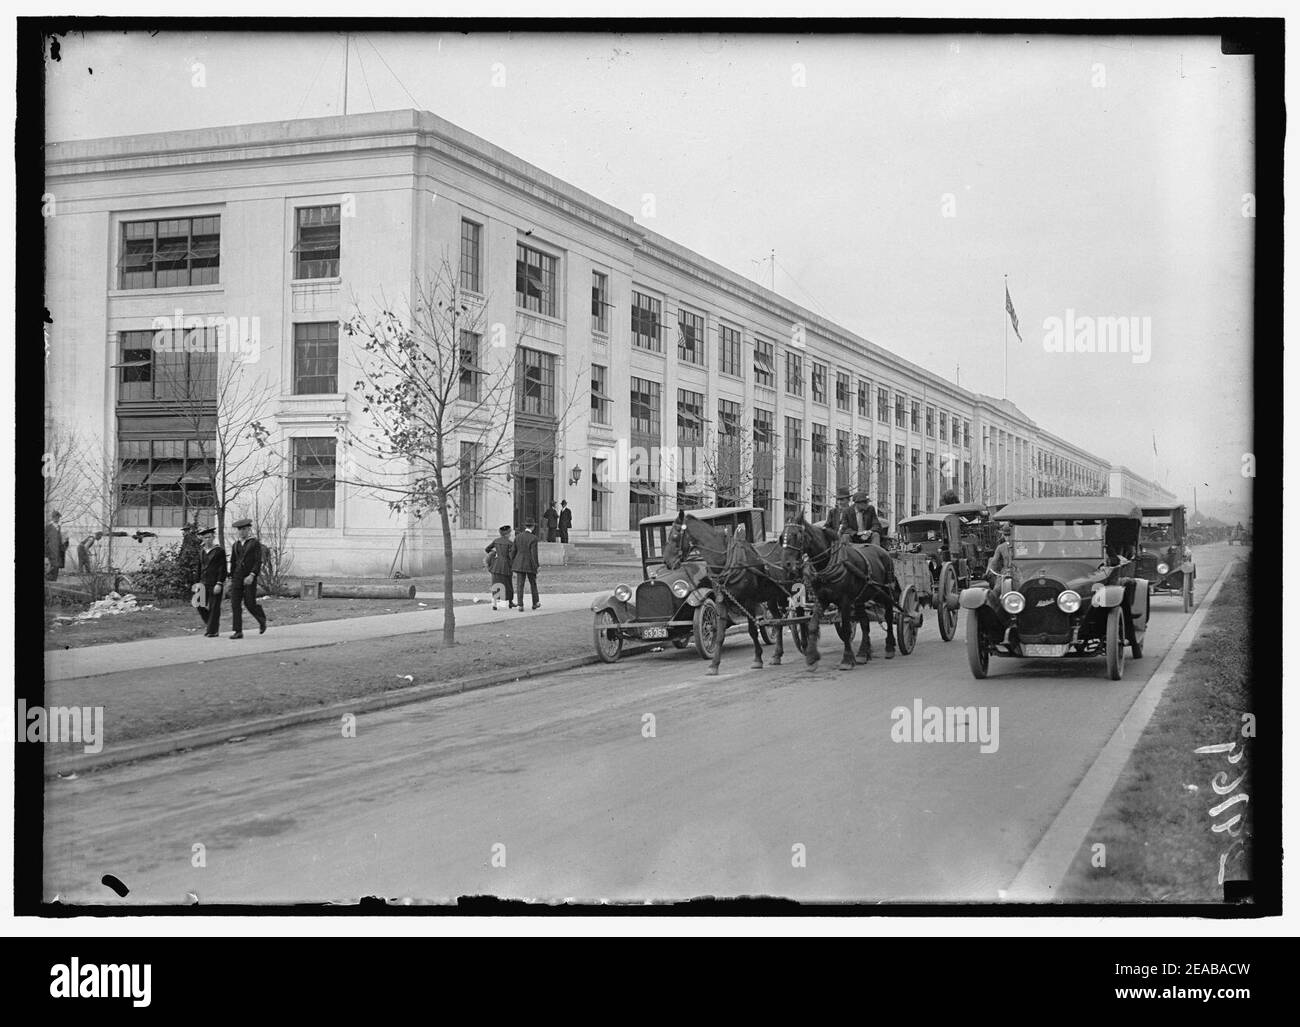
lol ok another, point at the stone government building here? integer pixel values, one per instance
(295, 225)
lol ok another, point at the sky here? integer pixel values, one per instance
(898, 179)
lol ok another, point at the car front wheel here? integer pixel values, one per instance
(1115, 644)
(977, 653)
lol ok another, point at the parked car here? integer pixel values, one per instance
(1164, 558)
(672, 604)
(1070, 587)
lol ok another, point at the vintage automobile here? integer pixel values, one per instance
(980, 533)
(1163, 557)
(932, 568)
(1070, 587)
(674, 604)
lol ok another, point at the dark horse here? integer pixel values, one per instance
(745, 577)
(847, 576)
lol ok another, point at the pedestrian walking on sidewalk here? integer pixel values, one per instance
(525, 564)
(566, 520)
(501, 556)
(212, 576)
(245, 565)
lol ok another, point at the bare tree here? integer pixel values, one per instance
(225, 411)
(439, 421)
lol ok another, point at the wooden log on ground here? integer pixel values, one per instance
(329, 591)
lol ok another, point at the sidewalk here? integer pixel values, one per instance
(154, 653)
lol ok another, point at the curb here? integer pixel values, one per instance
(1049, 863)
(205, 737)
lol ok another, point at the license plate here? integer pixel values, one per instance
(1045, 650)
(654, 632)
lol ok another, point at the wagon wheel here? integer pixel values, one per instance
(1115, 643)
(799, 629)
(904, 624)
(707, 633)
(977, 652)
(609, 639)
(947, 615)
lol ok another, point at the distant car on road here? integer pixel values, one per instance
(1163, 556)
(1070, 588)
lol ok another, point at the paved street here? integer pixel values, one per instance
(555, 778)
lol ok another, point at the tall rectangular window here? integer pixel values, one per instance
(819, 461)
(841, 390)
(645, 322)
(943, 426)
(843, 458)
(882, 405)
(535, 280)
(535, 383)
(471, 256)
(170, 253)
(818, 382)
(764, 364)
(315, 358)
(900, 410)
(599, 303)
(690, 441)
(600, 491)
(690, 338)
(916, 482)
(900, 484)
(793, 374)
(316, 242)
(645, 408)
(965, 431)
(864, 398)
(600, 398)
(882, 476)
(764, 457)
(313, 482)
(864, 465)
(929, 422)
(931, 492)
(793, 466)
(729, 350)
(729, 480)
(916, 415)
(471, 373)
(471, 486)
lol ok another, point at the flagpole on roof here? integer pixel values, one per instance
(1005, 317)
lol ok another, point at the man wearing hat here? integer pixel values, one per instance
(860, 522)
(245, 565)
(212, 576)
(54, 546)
(1000, 561)
(841, 508)
(501, 555)
(525, 564)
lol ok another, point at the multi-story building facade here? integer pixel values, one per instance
(624, 342)
(1124, 482)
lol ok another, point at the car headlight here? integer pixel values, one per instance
(680, 589)
(1068, 601)
(623, 593)
(1162, 568)
(1013, 602)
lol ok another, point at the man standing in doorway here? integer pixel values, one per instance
(245, 565)
(525, 565)
(552, 518)
(566, 520)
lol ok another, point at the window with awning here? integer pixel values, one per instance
(167, 253)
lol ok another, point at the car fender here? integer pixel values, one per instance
(697, 596)
(623, 611)
(1139, 606)
(1106, 596)
(973, 598)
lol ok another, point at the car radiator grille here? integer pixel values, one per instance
(654, 601)
(1042, 620)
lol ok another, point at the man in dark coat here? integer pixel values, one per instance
(525, 564)
(860, 521)
(245, 565)
(54, 546)
(501, 565)
(566, 520)
(552, 519)
(212, 576)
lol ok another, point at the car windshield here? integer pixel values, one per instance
(655, 537)
(1157, 529)
(1061, 540)
(920, 533)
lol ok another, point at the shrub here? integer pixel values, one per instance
(170, 572)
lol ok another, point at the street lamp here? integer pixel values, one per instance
(575, 475)
(516, 470)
